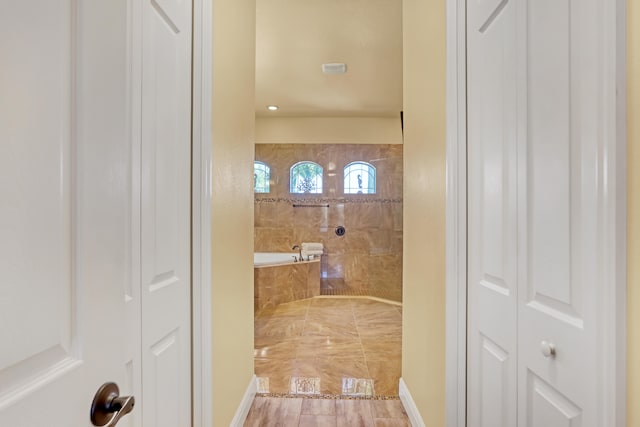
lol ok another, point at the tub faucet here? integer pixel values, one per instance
(299, 251)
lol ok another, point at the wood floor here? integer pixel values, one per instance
(336, 346)
(305, 412)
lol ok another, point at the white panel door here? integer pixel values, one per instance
(534, 125)
(558, 246)
(165, 212)
(492, 274)
(65, 195)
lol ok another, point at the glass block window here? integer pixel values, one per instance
(359, 178)
(305, 177)
(261, 176)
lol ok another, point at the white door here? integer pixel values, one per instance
(65, 194)
(492, 216)
(533, 143)
(165, 212)
(94, 220)
(559, 146)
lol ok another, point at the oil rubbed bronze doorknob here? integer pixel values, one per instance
(108, 407)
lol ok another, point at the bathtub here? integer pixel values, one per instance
(265, 259)
(278, 279)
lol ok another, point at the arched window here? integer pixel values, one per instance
(359, 178)
(261, 176)
(305, 177)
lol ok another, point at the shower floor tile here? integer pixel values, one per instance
(304, 385)
(263, 385)
(357, 387)
(351, 346)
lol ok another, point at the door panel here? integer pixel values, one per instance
(164, 377)
(64, 157)
(492, 206)
(36, 244)
(548, 407)
(165, 183)
(548, 157)
(558, 215)
(495, 380)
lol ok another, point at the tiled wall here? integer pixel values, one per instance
(368, 258)
(285, 283)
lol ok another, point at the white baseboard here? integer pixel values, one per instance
(410, 406)
(245, 404)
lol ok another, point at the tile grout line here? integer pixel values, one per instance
(304, 327)
(301, 311)
(364, 355)
(299, 340)
(280, 409)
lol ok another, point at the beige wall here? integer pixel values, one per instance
(423, 343)
(232, 222)
(633, 233)
(329, 130)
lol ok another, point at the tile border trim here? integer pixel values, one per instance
(326, 396)
(325, 200)
(245, 404)
(410, 406)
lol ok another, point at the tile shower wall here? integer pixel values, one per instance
(367, 260)
(278, 284)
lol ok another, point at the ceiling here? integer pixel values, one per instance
(295, 37)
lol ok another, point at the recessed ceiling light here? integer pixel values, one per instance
(334, 68)
(272, 107)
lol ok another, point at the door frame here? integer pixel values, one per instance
(456, 216)
(201, 200)
(612, 197)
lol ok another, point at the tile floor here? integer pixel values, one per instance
(292, 412)
(330, 345)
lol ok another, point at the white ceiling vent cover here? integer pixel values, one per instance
(334, 68)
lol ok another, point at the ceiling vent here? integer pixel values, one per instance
(334, 68)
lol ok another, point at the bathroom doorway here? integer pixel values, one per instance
(328, 178)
